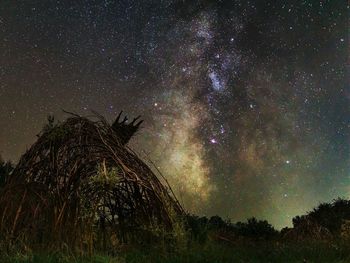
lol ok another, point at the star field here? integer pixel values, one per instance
(246, 103)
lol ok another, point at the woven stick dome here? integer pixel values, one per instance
(80, 173)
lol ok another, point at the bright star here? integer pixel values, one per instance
(213, 141)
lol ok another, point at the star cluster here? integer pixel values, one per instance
(246, 103)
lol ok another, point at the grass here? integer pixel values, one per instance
(209, 253)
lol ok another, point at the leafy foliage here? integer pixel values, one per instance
(328, 215)
(5, 171)
(257, 229)
(201, 227)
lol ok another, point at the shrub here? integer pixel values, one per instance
(256, 229)
(328, 215)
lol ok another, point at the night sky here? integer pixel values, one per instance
(246, 103)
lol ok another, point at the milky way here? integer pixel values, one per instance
(246, 103)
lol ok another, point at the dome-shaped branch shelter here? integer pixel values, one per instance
(79, 176)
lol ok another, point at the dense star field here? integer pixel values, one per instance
(246, 103)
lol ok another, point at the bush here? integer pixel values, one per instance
(328, 215)
(256, 229)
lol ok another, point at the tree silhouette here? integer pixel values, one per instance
(5, 170)
(328, 215)
(257, 229)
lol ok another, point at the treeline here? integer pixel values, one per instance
(331, 216)
(202, 228)
(326, 221)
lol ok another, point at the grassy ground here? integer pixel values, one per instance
(210, 253)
